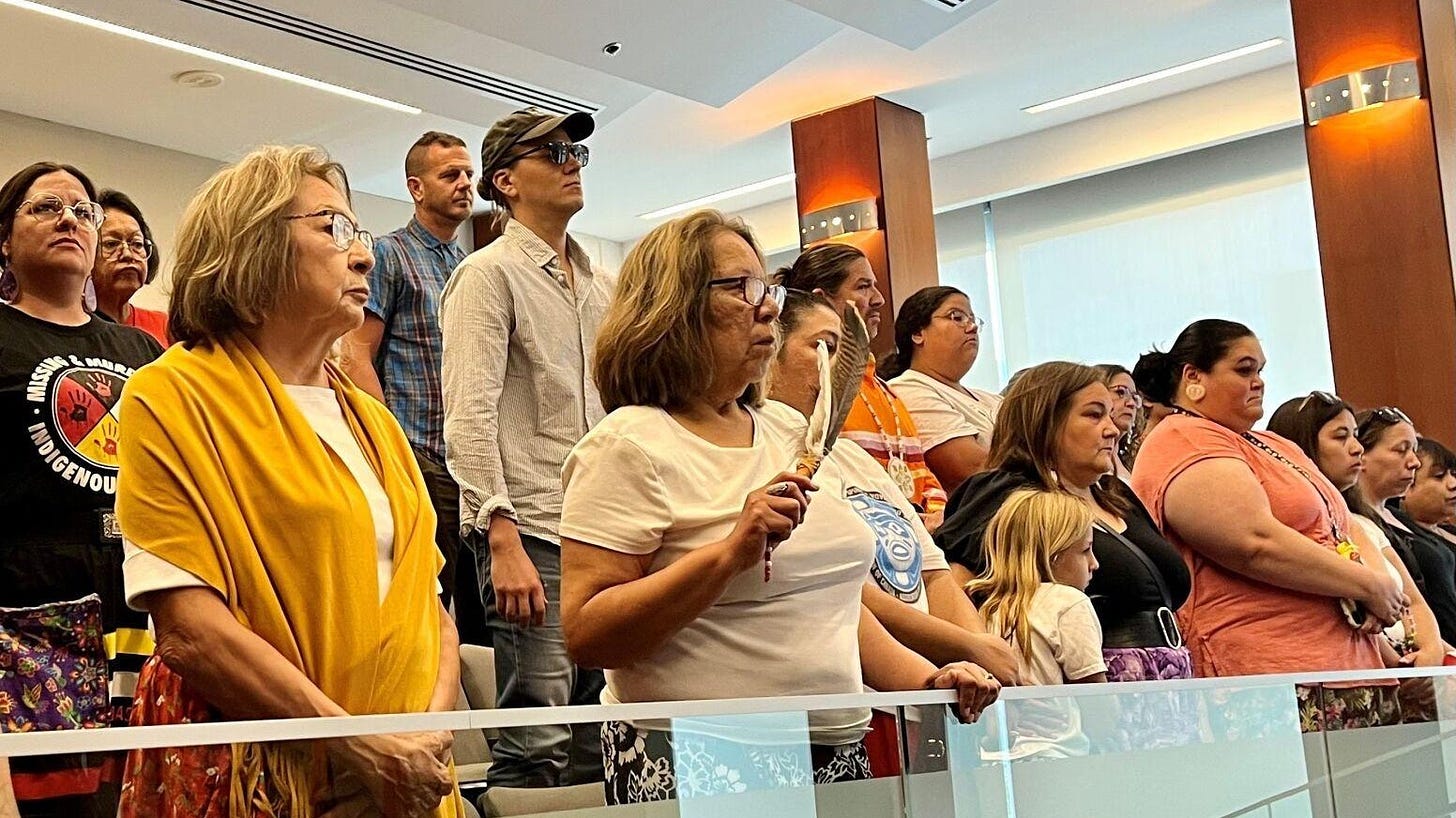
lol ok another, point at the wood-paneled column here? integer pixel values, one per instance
(874, 148)
(1380, 207)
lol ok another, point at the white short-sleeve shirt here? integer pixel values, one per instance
(942, 413)
(640, 483)
(904, 549)
(1066, 644)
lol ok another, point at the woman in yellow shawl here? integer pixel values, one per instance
(276, 524)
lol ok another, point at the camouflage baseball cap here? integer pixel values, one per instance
(523, 126)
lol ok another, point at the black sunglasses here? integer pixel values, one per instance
(1389, 414)
(1323, 397)
(558, 152)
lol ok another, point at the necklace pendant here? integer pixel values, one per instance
(901, 474)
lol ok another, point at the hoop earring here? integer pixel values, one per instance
(1196, 392)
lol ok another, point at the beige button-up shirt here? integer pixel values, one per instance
(516, 378)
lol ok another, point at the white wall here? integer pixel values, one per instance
(1103, 268)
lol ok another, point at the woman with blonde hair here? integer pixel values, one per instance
(1033, 593)
(1056, 431)
(276, 524)
(683, 572)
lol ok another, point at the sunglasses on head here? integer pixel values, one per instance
(1390, 415)
(1323, 397)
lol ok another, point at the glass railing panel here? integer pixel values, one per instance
(1222, 748)
(1219, 747)
(1391, 744)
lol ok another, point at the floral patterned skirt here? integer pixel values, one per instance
(54, 676)
(654, 765)
(1347, 708)
(176, 781)
(1151, 720)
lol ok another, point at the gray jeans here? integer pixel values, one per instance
(533, 670)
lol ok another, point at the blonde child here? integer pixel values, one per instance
(1039, 561)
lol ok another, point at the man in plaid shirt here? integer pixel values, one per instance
(395, 355)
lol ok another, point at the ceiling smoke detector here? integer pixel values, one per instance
(198, 79)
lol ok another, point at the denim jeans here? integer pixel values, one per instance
(533, 670)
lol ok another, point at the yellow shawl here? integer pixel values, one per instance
(223, 476)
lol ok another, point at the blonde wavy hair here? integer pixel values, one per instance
(652, 347)
(1028, 530)
(234, 254)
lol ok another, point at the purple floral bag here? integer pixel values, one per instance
(53, 667)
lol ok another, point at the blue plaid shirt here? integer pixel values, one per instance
(411, 267)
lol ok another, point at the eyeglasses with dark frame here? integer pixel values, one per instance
(47, 209)
(558, 152)
(962, 319)
(140, 247)
(753, 289)
(343, 230)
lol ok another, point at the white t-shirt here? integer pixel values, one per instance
(144, 572)
(943, 413)
(1066, 643)
(904, 549)
(640, 483)
(1395, 633)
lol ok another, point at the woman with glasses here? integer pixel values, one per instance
(126, 259)
(277, 526)
(1324, 428)
(680, 576)
(1127, 405)
(879, 421)
(937, 338)
(1055, 432)
(1264, 533)
(62, 372)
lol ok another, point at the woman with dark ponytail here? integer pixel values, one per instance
(878, 420)
(1264, 533)
(937, 339)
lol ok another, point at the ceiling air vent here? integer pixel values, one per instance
(505, 89)
(947, 5)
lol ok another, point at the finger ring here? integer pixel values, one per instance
(779, 489)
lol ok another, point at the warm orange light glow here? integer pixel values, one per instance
(1372, 131)
(845, 187)
(1358, 58)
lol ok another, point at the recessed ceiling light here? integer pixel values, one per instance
(612, 49)
(1134, 82)
(198, 79)
(192, 50)
(718, 197)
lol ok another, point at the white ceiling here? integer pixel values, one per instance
(697, 102)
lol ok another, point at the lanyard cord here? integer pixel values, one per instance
(1280, 458)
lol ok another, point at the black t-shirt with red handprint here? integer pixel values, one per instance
(59, 391)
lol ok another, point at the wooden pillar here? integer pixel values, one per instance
(874, 149)
(1385, 248)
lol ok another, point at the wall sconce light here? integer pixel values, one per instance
(838, 220)
(1362, 89)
